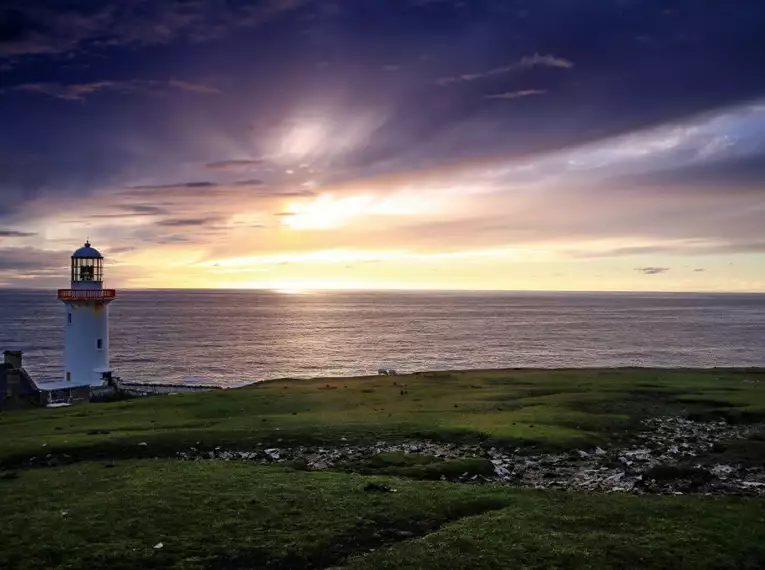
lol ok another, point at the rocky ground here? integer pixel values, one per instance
(669, 455)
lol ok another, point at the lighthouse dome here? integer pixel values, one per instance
(87, 252)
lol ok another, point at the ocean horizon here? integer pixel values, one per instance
(236, 336)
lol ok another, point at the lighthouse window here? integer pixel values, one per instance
(87, 269)
(99, 344)
(69, 318)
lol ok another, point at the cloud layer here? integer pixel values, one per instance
(558, 146)
(37, 27)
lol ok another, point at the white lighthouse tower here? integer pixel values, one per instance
(86, 351)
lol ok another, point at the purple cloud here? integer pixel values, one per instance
(517, 94)
(80, 91)
(526, 62)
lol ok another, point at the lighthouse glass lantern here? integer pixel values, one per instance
(87, 270)
(86, 348)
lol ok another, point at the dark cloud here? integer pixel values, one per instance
(144, 209)
(189, 222)
(699, 270)
(28, 259)
(40, 27)
(123, 249)
(741, 173)
(672, 248)
(15, 233)
(294, 193)
(236, 165)
(206, 188)
(80, 91)
(193, 87)
(166, 240)
(203, 184)
(517, 94)
(652, 270)
(131, 211)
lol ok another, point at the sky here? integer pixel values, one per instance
(598, 145)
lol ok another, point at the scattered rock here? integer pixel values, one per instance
(273, 453)
(678, 443)
(613, 478)
(158, 546)
(722, 471)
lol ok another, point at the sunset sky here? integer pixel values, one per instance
(435, 144)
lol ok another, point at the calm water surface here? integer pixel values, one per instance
(232, 337)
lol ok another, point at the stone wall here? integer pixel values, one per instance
(143, 389)
(103, 393)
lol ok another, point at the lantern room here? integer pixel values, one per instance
(87, 268)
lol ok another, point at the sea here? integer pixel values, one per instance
(230, 338)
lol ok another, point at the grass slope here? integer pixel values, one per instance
(554, 530)
(235, 515)
(551, 409)
(213, 514)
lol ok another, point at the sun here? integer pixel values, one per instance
(325, 212)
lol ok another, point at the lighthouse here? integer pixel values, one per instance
(86, 349)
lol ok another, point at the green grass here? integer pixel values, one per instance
(544, 530)
(235, 516)
(213, 514)
(556, 409)
(420, 466)
(114, 502)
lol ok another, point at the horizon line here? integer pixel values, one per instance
(283, 290)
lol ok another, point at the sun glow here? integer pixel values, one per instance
(329, 211)
(325, 212)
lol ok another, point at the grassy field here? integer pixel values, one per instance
(122, 494)
(546, 409)
(236, 515)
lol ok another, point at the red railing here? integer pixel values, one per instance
(86, 294)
